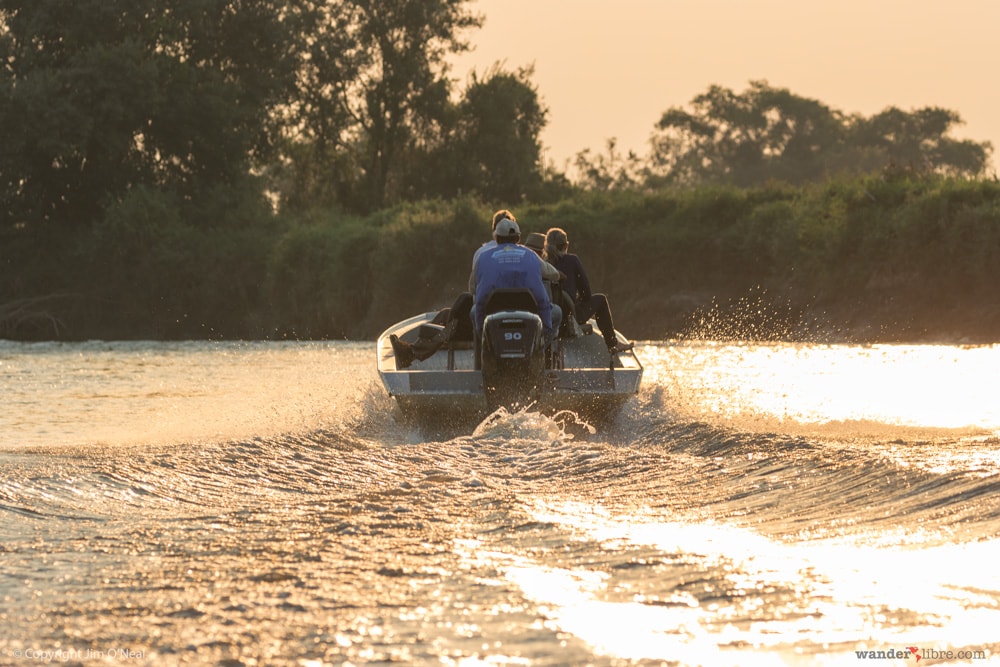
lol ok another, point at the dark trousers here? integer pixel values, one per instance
(457, 324)
(597, 307)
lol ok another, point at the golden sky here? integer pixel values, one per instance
(609, 68)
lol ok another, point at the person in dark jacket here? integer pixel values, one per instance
(565, 327)
(575, 283)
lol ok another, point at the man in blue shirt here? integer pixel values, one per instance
(511, 266)
(502, 214)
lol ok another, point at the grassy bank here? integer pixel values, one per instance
(889, 257)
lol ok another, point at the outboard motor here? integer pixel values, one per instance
(513, 348)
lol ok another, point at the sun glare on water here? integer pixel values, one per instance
(773, 594)
(921, 386)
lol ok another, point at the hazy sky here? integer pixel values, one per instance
(610, 68)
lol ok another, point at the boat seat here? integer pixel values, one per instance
(510, 299)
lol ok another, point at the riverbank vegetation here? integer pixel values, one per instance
(883, 257)
(312, 169)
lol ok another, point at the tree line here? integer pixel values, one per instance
(308, 104)
(766, 134)
(889, 256)
(188, 168)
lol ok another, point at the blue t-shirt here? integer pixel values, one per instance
(511, 266)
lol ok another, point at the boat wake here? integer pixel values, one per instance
(668, 536)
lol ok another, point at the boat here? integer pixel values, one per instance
(510, 368)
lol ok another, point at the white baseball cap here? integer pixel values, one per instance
(506, 227)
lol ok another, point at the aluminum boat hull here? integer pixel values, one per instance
(447, 389)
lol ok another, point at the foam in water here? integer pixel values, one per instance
(528, 424)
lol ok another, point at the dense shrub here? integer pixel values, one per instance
(892, 256)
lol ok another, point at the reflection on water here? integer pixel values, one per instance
(138, 392)
(253, 503)
(932, 386)
(829, 591)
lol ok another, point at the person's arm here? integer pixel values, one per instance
(472, 274)
(482, 285)
(544, 307)
(550, 273)
(475, 261)
(541, 294)
(582, 284)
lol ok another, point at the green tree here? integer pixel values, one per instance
(377, 86)
(769, 133)
(488, 143)
(917, 140)
(609, 170)
(743, 139)
(500, 119)
(98, 96)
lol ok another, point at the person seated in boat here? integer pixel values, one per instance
(454, 324)
(457, 320)
(509, 265)
(549, 272)
(552, 277)
(577, 286)
(502, 214)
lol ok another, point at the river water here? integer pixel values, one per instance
(259, 504)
